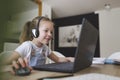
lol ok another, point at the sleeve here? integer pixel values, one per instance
(24, 49)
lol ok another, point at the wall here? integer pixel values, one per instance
(46, 10)
(109, 26)
(11, 27)
(17, 21)
(73, 20)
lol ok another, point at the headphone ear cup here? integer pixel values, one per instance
(34, 32)
(37, 33)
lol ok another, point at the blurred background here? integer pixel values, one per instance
(13, 15)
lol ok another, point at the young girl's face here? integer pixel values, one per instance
(45, 32)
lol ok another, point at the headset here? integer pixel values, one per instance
(35, 31)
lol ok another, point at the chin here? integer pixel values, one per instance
(46, 43)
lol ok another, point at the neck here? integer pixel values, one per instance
(37, 43)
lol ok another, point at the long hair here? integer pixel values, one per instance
(26, 33)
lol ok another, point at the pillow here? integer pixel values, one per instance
(115, 55)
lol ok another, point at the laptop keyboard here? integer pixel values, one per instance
(59, 67)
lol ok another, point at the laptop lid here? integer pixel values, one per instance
(86, 46)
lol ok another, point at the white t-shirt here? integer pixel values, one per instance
(36, 56)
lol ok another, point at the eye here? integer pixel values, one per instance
(46, 30)
(51, 32)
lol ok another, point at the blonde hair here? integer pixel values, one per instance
(26, 33)
(38, 19)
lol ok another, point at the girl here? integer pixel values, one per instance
(34, 53)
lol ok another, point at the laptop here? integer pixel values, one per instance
(84, 52)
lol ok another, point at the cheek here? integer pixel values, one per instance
(42, 35)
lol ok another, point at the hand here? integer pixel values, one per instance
(118, 60)
(66, 59)
(70, 59)
(20, 63)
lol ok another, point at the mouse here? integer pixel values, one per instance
(117, 62)
(111, 61)
(22, 71)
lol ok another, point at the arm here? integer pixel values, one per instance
(13, 56)
(60, 59)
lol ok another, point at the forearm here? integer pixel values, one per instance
(13, 56)
(55, 58)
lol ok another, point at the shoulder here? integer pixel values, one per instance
(24, 49)
(26, 44)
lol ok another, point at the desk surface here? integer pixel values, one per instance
(112, 70)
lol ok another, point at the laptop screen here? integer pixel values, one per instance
(86, 45)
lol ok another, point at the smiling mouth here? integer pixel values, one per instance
(47, 39)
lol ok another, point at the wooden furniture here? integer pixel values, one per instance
(111, 70)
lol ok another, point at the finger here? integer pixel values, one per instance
(26, 61)
(71, 59)
(27, 64)
(21, 61)
(15, 65)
